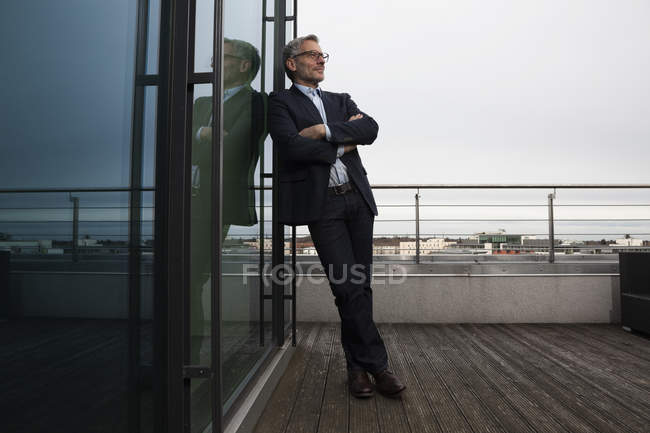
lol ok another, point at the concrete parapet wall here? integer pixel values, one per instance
(478, 299)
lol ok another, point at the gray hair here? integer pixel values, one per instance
(246, 51)
(293, 48)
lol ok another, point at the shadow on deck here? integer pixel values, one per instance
(472, 378)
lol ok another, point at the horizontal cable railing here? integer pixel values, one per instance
(102, 222)
(580, 225)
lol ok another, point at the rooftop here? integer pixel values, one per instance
(472, 378)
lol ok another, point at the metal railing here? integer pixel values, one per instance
(606, 214)
(551, 220)
(417, 227)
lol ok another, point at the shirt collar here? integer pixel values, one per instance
(309, 91)
(229, 93)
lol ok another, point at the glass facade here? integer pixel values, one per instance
(244, 332)
(77, 145)
(134, 227)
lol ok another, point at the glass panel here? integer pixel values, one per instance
(67, 306)
(201, 226)
(65, 122)
(149, 136)
(201, 222)
(147, 359)
(153, 42)
(67, 98)
(201, 405)
(289, 30)
(270, 5)
(244, 115)
(268, 60)
(204, 32)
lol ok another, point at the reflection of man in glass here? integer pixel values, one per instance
(243, 134)
(243, 131)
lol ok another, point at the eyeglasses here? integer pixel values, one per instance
(314, 55)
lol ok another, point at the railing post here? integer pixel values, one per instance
(551, 232)
(417, 227)
(75, 228)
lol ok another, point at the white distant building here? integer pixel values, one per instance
(427, 246)
(268, 244)
(88, 243)
(384, 250)
(627, 242)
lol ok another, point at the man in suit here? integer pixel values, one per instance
(324, 185)
(244, 130)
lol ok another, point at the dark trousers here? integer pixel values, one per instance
(343, 239)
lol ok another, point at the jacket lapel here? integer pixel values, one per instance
(328, 107)
(307, 105)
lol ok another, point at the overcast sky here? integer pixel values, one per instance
(474, 91)
(465, 91)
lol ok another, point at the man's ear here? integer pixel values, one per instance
(291, 64)
(244, 66)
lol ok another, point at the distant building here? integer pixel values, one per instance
(26, 247)
(382, 250)
(627, 242)
(427, 246)
(308, 251)
(499, 237)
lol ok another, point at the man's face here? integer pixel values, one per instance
(306, 69)
(235, 69)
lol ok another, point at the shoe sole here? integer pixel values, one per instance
(362, 394)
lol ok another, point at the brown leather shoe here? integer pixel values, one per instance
(388, 384)
(359, 384)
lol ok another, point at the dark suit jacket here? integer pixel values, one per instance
(304, 164)
(244, 119)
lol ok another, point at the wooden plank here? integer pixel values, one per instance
(276, 415)
(335, 408)
(419, 414)
(432, 383)
(632, 343)
(487, 394)
(391, 413)
(598, 370)
(306, 411)
(363, 415)
(622, 359)
(598, 379)
(592, 405)
(600, 355)
(479, 417)
(539, 408)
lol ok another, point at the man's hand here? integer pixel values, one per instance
(316, 132)
(349, 148)
(206, 133)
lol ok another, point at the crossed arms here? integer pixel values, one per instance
(310, 144)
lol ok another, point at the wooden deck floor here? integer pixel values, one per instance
(472, 378)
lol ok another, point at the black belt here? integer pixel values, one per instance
(344, 188)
